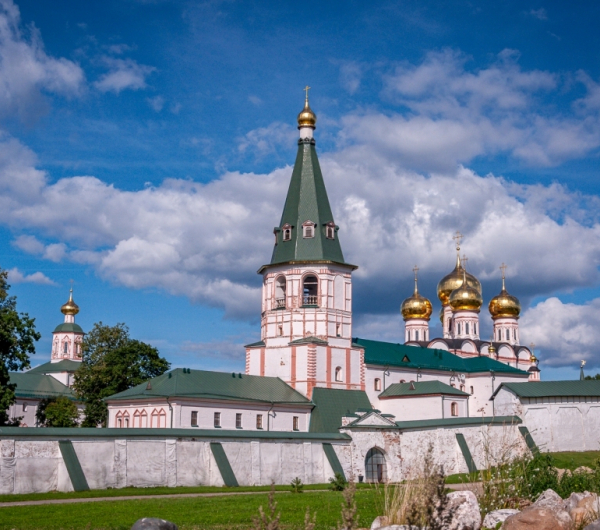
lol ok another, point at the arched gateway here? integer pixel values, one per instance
(375, 468)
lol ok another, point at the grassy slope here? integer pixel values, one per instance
(572, 460)
(208, 512)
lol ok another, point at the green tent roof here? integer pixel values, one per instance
(68, 327)
(574, 388)
(66, 365)
(38, 386)
(332, 404)
(415, 357)
(182, 382)
(420, 388)
(307, 201)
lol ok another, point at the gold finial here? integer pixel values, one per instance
(532, 358)
(416, 270)
(306, 89)
(457, 239)
(307, 118)
(503, 269)
(70, 308)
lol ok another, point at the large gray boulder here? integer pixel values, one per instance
(153, 523)
(593, 526)
(546, 513)
(464, 510)
(497, 516)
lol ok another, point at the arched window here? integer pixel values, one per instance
(155, 419)
(462, 388)
(499, 335)
(339, 375)
(119, 420)
(454, 409)
(402, 381)
(377, 384)
(475, 328)
(144, 419)
(508, 334)
(280, 287)
(416, 334)
(65, 347)
(308, 230)
(287, 232)
(137, 419)
(330, 230)
(310, 289)
(458, 329)
(515, 333)
(375, 468)
(126, 419)
(466, 328)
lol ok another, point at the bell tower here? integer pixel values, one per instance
(306, 318)
(67, 337)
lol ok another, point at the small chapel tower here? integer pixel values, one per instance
(505, 310)
(416, 311)
(306, 318)
(67, 337)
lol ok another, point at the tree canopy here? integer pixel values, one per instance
(57, 412)
(17, 343)
(592, 377)
(112, 362)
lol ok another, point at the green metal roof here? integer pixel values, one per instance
(214, 434)
(215, 385)
(259, 344)
(310, 340)
(420, 388)
(573, 388)
(457, 422)
(38, 386)
(306, 201)
(332, 404)
(415, 357)
(66, 365)
(69, 327)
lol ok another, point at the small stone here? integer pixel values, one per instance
(497, 516)
(153, 523)
(549, 499)
(380, 522)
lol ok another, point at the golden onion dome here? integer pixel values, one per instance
(454, 280)
(307, 118)
(504, 305)
(465, 298)
(416, 306)
(70, 308)
(491, 349)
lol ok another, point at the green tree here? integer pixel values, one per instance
(112, 362)
(17, 343)
(57, 412)
(592, 377)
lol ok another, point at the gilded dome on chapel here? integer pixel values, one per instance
(454, 280)
(504, 305)
(465, 297)
(70, 308)
(416, 306)
(307, 118)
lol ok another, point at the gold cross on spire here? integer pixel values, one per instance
(457, 239)
(306, 89)
(416, 270)
(464, 261)
(532, 347)
(503, 269)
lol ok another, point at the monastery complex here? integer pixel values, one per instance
(314, 399)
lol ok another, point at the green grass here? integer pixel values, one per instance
(225, 512)
(572, 460)
(126, 492)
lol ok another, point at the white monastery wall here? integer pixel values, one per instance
(556, 423)
(423, 407)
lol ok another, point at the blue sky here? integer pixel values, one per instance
(145, 151)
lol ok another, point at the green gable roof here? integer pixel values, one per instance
(306, 201)
(38, 386)
(215, 385)
(415, 357)
(68, 327)
(332, 404)
(420, 388)
(574, 388)
(66, 365)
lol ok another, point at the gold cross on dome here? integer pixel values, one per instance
(416, 270)
(464, 261)
(457, 239)
(503, 269)
(306, 89)
(532, 347)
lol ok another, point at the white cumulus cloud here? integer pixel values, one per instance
(123, 74)
(16, 276)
